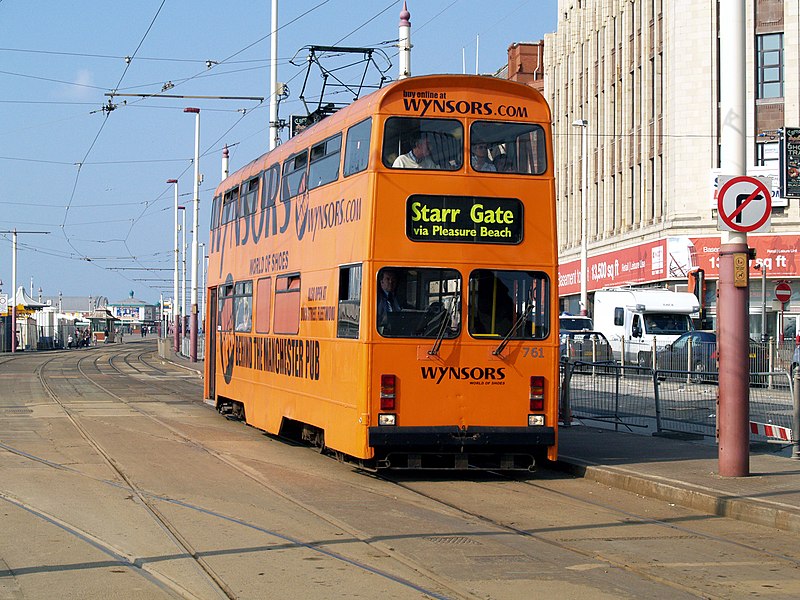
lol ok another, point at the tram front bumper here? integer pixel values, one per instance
(471, 447)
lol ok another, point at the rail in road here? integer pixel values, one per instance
(117, 480)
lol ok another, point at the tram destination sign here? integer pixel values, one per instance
(464, 219)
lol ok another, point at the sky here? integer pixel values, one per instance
(91, 170)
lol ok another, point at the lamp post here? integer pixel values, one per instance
(763, 268)
(584, 125)
(196, 202)
(176, 340)
(183, 271)
(203, 286)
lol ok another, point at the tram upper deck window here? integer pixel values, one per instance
(508, 148)
(249, 196)
(294, 171)
(356, 152)
(508, 303)
(419, 303)
(229, 201)
(411, 143)
(215, 207)
(324, 167)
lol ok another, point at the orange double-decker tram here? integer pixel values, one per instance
(384, 285)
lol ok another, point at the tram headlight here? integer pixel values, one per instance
(387, 419)
(535, 420)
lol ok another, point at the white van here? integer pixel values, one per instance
(638, 321)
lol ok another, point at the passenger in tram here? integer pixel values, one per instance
(480, 157)
(503, 163)
(419, 157)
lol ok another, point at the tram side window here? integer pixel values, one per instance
(287, 304)
(412, 143)
(225, 303)
(349, 315)
(418, 303)
(215, 205)
(269, 191)
(229, 201)
(356, 152)
(511, 147)
(294, 175)
(264, 300)
(509, 302)
(324, 166)
(249, 195)
(243, 306)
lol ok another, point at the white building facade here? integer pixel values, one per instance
(645, 76)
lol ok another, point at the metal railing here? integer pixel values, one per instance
(649, 400)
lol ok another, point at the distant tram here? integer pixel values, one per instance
(384, 285)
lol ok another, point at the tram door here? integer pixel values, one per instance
(211, 347)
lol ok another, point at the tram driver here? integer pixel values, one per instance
(387, 295)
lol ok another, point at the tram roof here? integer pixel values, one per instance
(374, 102)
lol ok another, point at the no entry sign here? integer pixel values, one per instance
(783, 292)
(744, 204)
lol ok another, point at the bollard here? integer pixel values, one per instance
(796, 415)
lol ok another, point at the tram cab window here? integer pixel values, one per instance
(443, 142)
(518, 148)
(243, 306)
(418, 303)
(508, 302)
(349, 315)
(356, 151)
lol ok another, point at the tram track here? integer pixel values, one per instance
(626, 516)
(498, 483)
(149, 506)
(148, 500)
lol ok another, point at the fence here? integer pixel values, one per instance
(648, 400)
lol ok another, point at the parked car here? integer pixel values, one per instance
(585, 346)
(703, 361)
(574, 323)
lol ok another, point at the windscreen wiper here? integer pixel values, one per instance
(499, 350)
(442, 328)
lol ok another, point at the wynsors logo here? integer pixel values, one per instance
(464, 373)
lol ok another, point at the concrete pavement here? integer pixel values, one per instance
(678, 471)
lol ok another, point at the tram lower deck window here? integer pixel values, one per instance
(418, 303)
(508, 303)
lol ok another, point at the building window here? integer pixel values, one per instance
(769, 70)
(768, 154)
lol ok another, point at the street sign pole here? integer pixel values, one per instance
(733, 415)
